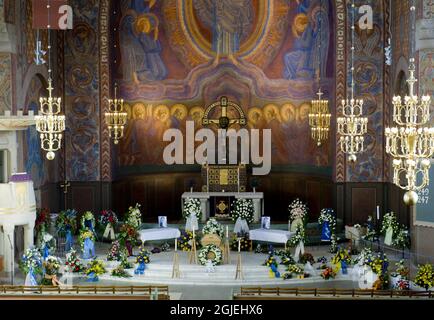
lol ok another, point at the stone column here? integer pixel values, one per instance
(8, 230)
(257, 210)
(29, 235)
(205, 209)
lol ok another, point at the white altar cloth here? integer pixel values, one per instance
(270, 235)
(159, 234)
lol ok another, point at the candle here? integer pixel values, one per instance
(289, 225)
(176, 244)
(194, 237)
(227, 232)
(207, 178)
(378, 213)
(238, 179)
(239, 245)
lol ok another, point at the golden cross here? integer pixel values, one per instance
(65, 186)
(224, 122)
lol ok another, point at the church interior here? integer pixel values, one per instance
(229, 146)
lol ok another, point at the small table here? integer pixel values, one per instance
(270, 235)
(159, 234)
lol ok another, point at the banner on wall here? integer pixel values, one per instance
(60, 14)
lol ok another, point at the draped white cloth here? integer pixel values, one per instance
(299, 249)
(191, 223)
(241, 226)
(159, 234)
(270, 235)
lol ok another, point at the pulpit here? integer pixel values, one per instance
(17, 208)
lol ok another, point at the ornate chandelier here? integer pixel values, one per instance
(352, 126)
(116, 118)
(319, 119)
(49, 122)
(411, 144)
(319, 115)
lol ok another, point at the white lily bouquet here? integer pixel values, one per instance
(242, 214)
(213, 227)
(192, 212)
(297, 213)
(327, 220)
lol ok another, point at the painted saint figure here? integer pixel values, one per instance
(140, 47)
(230, 21)
(303, 60)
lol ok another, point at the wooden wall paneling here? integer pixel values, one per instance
(313, 198)
(363, 203)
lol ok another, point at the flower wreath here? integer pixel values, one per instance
(88, 215)
(66, 219)
(192, 206)
(210, 252)
(31, 259)
(242, 208)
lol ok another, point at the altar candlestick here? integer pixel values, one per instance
(227, 232)
(289, 225)
(239, 245)
(176, 244)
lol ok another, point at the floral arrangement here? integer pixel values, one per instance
(120, 272)
(389, 221)
(401, 270)
(87, 216)
(114, 253)
(425, 276)
(48, 244)
(328, 273)
(73, 263)
(134, 216)
(192, 207)
(401, 239)
(379, 263)
(341, 255)
(108, 217)
(213, 227)
(42, 223)
(328, 215)
(31, 260)
(185, 240)
(271, 261)
(143, 256)
(51, 266)
(306, 257)
(128, 233)
(300, 236)
(364, 257)
(96, 267)
(85, 234)
(295, 269)
(371, 234)
(297, 210)
(210, 252)
(66, 220)
(124, 261)
(243, 209)
(285, 257)
(245, 243)
(322, 260)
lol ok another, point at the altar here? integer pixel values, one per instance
(206, 198)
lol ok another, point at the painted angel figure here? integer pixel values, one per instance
(230, 21)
